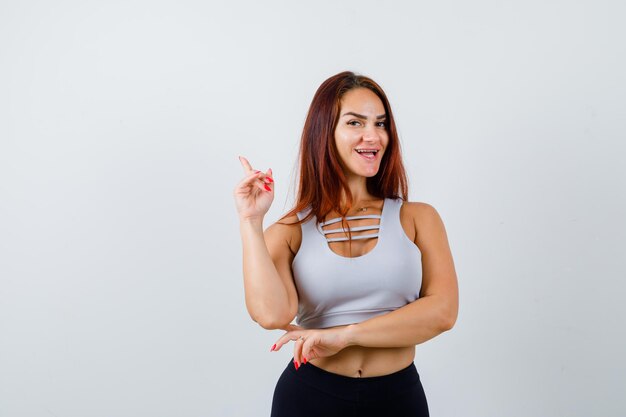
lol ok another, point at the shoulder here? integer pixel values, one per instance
(285, 231)
(422, 217)
(419, 210)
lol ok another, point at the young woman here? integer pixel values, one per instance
(368, 274)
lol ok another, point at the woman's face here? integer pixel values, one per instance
(361, 135)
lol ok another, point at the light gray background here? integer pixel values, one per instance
(121, 290)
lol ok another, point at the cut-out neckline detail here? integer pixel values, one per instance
(375, 235)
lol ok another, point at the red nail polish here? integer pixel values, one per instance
(267, 188)
(296, 364)
(256, 171)
(269, 179)
(303, 360)
(273, 347)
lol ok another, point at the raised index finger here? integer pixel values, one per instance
(245, 164)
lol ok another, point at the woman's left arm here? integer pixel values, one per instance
(430, 315)
(437, 308)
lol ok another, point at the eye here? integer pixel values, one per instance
(381, 124)
(354, 123)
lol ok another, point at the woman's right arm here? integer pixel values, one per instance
(271, 297)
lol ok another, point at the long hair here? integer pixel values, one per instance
(322, 180)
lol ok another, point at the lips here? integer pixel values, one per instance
(369, 154)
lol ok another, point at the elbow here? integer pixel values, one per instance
(272, 319)
(448, 319)
(447, 323)
(267, 324)
(274, 323)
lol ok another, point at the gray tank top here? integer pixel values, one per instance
(334, 290)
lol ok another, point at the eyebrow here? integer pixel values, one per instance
(360, 116)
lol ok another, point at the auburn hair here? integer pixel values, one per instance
(321, 179)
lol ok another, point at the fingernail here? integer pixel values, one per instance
(269, 179)
(303, 360)
(267, 188)
(256, 171)
(296, 364)
(273, 347)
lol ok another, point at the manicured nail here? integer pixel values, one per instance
(256, 171)
(303, 360)
(267, 188)
(269, 179)
(296, 364)
(273, 347)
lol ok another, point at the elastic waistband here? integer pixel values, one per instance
(354, 389)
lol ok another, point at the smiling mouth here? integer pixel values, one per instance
(367, 153)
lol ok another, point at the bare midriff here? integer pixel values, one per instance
(364, 362)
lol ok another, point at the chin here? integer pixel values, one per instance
(361, 171)
(368, 173)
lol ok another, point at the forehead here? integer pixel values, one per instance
(362, 101)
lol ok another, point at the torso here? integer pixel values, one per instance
(360, 361)
(364, 362)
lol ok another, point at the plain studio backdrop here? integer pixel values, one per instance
(121, 289)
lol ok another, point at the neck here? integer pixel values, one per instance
(358, 189)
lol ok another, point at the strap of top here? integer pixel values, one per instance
(338, 219)
(351, 229)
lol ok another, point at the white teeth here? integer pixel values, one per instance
(366, 150)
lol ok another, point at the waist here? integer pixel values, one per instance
(366, 362)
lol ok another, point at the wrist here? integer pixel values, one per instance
(251, 221)
(351, 334)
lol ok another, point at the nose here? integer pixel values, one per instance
(371, 134)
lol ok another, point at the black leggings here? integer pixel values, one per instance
(313, 392)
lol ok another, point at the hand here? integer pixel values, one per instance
(254, 194)
(313, 343)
